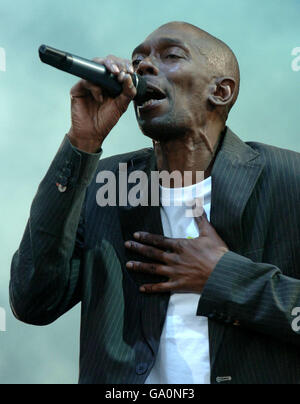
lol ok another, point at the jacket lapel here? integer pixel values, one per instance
(140, 218)
(235, 172)
(145, 218)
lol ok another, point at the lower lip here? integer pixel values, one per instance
(154, 104)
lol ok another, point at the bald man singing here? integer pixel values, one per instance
(170, 293)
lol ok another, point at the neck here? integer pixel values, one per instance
(195, 152)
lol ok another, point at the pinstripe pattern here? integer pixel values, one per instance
(255, 209)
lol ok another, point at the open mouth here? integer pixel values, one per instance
(152, 98)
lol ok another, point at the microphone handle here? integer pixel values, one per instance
(96, 74)
(88, 70)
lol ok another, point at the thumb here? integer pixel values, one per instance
(202, 223)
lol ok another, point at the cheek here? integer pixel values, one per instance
(188, 98)
(188, 95)
(186, 84)
(175, 69)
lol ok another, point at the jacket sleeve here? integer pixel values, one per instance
(253, 295)
(45, 271)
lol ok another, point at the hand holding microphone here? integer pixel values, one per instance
(97, 105)
(93, 112)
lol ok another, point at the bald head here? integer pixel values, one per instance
(220, 58)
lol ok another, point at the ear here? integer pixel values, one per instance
(221, 92)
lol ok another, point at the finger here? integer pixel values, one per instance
(206, 229)
(130, 68)
(99, 60)
(110, 64)
(202, 223)
(198, 208)
(163, 287)
(122, 69)
(96, 91)
(121, 77)
(116, 65)
(152, 268)
(123, 64)
(155, 240)
(129, 89)
(85, 88)
(152, 253)
(79, 90)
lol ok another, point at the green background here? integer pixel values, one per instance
(35, 115)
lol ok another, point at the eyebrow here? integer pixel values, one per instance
(162, 42)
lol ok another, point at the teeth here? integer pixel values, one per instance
(147, 103)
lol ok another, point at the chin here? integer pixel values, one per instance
(163, 128)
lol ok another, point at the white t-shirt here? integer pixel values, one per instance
(183, 355)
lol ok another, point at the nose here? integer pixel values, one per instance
(146, 66)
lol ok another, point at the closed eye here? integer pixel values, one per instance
(173, 56)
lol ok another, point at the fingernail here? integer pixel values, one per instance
(128, 244)
(137, 236)
(115, 68)
(129, 265)
(142, 289)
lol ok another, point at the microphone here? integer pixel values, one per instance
(88, 70)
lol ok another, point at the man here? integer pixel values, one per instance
(168, 298)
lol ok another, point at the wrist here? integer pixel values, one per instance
(84, 145)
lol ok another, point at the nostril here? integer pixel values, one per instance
(146, 67)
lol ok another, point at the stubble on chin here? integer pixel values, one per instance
(165, 128)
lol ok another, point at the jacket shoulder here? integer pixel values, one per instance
(276, 157)
(281, 168)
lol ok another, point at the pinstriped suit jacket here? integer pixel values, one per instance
(73, 251)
